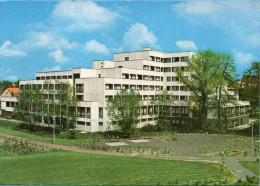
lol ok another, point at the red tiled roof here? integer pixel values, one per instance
(14, 91)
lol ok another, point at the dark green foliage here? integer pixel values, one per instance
(249, 181)
(37, 128)
(250, 92)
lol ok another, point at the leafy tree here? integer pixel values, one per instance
(225, 76)
(30, 104)
(202, 81)
(162, 105)
(6, 84)
(124, 109)
(250, 92)
(66, 105)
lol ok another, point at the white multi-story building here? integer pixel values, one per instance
(147, 71)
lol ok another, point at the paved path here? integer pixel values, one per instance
(237, 168)
(232, 164)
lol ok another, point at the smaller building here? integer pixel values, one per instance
(8, 101)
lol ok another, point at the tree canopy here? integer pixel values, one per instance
(124, 110)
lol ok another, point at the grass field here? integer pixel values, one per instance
(78, 168)
(253, 166)
(6, 126)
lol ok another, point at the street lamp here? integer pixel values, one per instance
(252, 148)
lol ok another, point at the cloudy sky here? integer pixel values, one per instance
(40, 36)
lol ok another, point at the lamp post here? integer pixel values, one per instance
(252, 142)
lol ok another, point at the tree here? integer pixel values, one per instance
(250, 92)
(162, 105)
(202, 81)
(66, 105)
(30, 104)
(225, 76)
(124, 109)
(6, 84)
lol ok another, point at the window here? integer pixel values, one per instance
(139, 77)
(139, 87)
(132, 76)
(132, 87)
(126, 58)
(125, 76)
(167, 69)
(108, 98)
(146, 67)
(184, 59)
(80, 123)
(175, 59)
(152, 58)
(151, 78)
(88, 123)
(157, 78)
(145, 87)
(79, 97)
(70, 77)
(168, 88)
(151, 87)
(79, 88)
(184, 98)
(183, 88)
(7, 104)
(125, 87)
(167, 60)
(81, 112)
(175, 78)
(109, 86)
(174, 69)
(158, 59)
(175, 98)
(53, 77)
(58, 77)
(117, 86)
(76, 76)
(64, 77)
(38, 78)
(146, 77)
(88, 112)
(157, 69)
(100, 111)
(168, 78)
(175, 88)
(100, 123)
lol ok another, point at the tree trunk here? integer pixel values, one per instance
(218, 109)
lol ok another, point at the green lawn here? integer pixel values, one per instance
(79, 168)
(253, 166)
(6, 126)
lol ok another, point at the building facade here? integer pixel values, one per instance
(8, 101)
(148, 72)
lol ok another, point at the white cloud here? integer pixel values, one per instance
(58, 56)
(94, 46)
(139, 36)
(82, 15)
(12, 78)
(254, 39)
(50, 40)
(242, 58)
(186, 45)
(7, 52)
(238, 19)
(56, 68)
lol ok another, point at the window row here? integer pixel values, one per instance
(169, 59)
(177, 88)
(155, 97)
(53, 77)
(11, 104)
(141, 77)
(164, 69)
(132, 87)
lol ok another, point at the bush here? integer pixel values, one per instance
(8, 124)
(38, 128)
(149, 128)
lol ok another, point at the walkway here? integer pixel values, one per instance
(237, 168)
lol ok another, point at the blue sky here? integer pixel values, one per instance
(38, 36)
